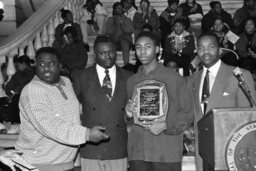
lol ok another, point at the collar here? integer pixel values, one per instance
(185, 33)
(142, 71)
(214, 69)
(111, 70)
(60, 83)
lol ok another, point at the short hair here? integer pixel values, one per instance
(179, 20)
(103, 39)
(49, 50)
(64, 13)
(148, 34)
(26, 60)
(147, 26)
(211, 34)
(147, 1)
(213, 3)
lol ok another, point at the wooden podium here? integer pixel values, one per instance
(225, 136)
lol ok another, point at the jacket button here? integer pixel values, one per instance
(94, 108)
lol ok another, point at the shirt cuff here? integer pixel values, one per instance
(87, 134)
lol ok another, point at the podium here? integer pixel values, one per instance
(227, 139)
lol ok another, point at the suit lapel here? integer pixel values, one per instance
(197, 92)
(217, 89)
(96, 86)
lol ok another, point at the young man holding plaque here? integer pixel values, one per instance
(160, 108)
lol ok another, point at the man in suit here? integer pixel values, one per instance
(102, 91)
(223, 90)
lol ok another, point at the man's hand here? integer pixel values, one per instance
(97, 134)
(130, 108)
(157, 127)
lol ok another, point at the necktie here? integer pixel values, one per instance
(206, 90)
(107, 86)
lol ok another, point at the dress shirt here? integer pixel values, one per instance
(213, 70)
(112, 74)
(50, 123)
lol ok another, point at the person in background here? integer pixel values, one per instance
(223, 89)
(246, 11)
(73, 52)
(191, 7)
(246, 46)
(172, 63)
(97, 15)
(25, 73)
(145, 14)
(158, 145)
(67, 16)
(50, 130)
(102, 92)
(180, 45)
(216, 11)
(167, 18)
(120, 28)
(129, 8)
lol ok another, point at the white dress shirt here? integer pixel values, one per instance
(213, 70)
(112, 74)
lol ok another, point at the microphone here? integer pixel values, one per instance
(242, 84)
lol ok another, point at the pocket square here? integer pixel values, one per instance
(225, 94)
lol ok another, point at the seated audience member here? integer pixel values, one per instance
(50, 130)
(157, 146)
(25, 73)
(145, 14)
(191, 7)
(216, 11)
(167, 18)
(172, 63)
(67, 16)
(129, 8)
(120, 28)
(97, 15)
(73, 53)
(241, 14)
(220, 29)
(246, 46)
(180, 44)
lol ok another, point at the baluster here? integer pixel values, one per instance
(51, 32)
(21, 50)
(69, 6)
(56, 19)
(66, 4)
(38, 42)
(10, 71)
(73, 10)
(44, 37)
(31, 51)
(2, 92)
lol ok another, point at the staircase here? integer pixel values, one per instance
(38, 30)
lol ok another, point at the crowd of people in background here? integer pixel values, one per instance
(168, 39)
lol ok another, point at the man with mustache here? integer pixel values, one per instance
(50, 130)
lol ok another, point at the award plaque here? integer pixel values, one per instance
(151, 101)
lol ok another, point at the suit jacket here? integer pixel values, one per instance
(225, 93)
(98, 110)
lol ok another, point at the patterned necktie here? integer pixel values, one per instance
(206, 90)
(107, 86)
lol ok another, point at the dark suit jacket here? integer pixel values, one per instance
(97, 110)
(225, 93)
